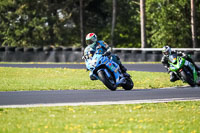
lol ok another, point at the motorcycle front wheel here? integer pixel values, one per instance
(188, 78)
(108, 82)
(129, 84)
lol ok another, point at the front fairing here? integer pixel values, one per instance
(95, 59)
(173, 58)
(99, 62)
(176, 62)
(92, 62)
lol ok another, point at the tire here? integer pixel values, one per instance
(188, 78)
(109, 83)
(129, 84)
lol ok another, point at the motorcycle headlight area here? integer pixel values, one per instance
(93, 62)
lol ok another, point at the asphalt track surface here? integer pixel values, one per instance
(130, 67)
(95, 97)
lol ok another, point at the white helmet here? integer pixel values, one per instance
(166, 50)
(91, 38)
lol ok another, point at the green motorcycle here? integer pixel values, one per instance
(184, 70)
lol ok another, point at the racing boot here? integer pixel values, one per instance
(196, 67)
(123, 70)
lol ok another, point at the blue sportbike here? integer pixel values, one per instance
(102, 68)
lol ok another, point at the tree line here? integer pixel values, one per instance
(27, 23)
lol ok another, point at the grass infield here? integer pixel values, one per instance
(172, 117)
(21, 79)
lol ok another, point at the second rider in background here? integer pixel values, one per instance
(166, 53)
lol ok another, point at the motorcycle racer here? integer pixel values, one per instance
(166, 52)
(93, 44)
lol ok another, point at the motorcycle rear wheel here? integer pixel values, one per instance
(108, 82)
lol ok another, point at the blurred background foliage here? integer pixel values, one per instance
(27, 23)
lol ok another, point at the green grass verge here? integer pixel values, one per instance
(174, 117)
(20, 79)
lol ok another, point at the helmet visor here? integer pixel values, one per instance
(166, 53)
(88, 42)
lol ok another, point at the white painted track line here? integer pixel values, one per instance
(102, 103)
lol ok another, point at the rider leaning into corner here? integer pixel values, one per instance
(93, 43)
(166, 52)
